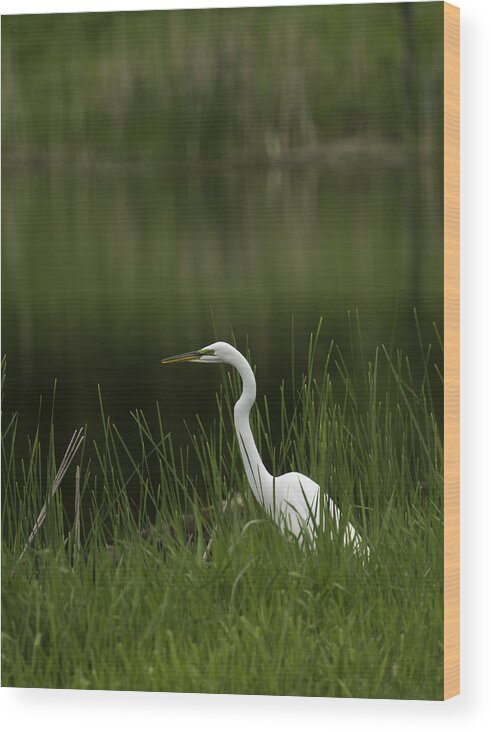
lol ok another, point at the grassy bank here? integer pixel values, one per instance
(155, 584)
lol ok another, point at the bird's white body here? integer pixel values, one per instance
(292, 500)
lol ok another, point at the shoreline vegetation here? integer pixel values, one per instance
(354, 152)
(286, 85)
(143, 580)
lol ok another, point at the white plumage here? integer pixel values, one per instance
(292, 500)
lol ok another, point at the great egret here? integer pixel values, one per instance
(292, 500)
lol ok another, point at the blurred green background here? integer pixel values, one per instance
(166, 174)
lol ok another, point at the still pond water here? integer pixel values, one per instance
(104, 273)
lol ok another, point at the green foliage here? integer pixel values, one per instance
(215, 84)
(213, 598)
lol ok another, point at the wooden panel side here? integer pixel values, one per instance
(452, 350)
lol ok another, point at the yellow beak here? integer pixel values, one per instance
(183, 357)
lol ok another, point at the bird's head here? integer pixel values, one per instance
(219, 352)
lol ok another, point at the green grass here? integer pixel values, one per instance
(136, 606)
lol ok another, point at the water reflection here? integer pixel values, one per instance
(105, 274)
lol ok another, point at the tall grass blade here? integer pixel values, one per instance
(74, 444)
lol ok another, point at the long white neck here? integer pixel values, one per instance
(259, 478)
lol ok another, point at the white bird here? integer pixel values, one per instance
(292, 500)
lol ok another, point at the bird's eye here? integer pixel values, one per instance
(207, 352)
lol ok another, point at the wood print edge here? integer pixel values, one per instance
(451, 226)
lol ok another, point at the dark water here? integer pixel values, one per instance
(105, 273)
